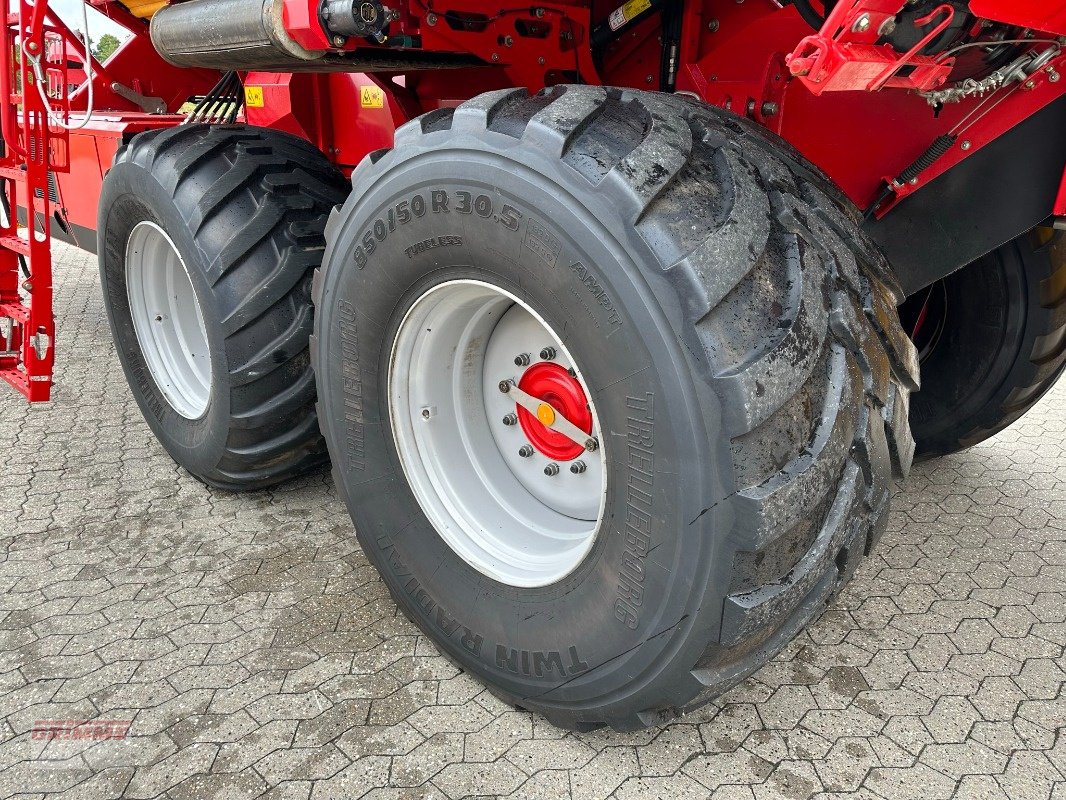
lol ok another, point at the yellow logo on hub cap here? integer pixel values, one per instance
(546, 414)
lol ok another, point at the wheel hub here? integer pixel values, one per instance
(167, 319)
(516, 498)
(560, 392)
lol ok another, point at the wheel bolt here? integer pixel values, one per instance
(591, 445)
(525, 451)
(510, 419)
(578, 467)
(572, 372)
(505, 386)
(521, 360)
(548, 353)
(551, 469)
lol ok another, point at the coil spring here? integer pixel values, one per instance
(938, 148)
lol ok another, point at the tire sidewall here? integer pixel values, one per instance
(131, 195)
(612, 320)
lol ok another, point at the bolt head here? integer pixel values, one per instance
(522, 360)
(591, 445)
(862, 24)
(505, 386)
(338, 41)
(713, 25)
(548, 353)
(510, 419)
(427, 413)
(965, 144)
(578, 467)
(525, 451)
(431, 19)
(551, 469)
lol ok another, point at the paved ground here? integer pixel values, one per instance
(255, 651)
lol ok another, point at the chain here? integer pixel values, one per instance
(1018, 70)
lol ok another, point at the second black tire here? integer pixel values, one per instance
(738, 336)
(245, 209)
(992, 342)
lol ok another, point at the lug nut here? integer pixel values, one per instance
(591, 445)
(548, 353)
(505, 386)
(578, 467)
(510, 419)
(525, 451)
(521, 360)
(572, 372)
(551, 469)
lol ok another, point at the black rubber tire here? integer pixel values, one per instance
(736, 329)
(246, 209)
(1001, 343)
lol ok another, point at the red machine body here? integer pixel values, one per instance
(857, 106)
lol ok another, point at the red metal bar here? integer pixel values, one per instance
(33, 149)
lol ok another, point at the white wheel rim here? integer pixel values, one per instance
(167, 320)
(495, 508)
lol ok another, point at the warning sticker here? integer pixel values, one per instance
(253, 96)
(371, 97)
(623, 14)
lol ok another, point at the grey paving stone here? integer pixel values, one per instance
(258, 654)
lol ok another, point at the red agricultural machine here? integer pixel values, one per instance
(607, 316)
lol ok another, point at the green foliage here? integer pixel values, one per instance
(107, 45)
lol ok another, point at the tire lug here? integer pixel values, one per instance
(525, 451)
(510, 419)
(551, 469)
(578, 467)
(548, 353)
(522, 360)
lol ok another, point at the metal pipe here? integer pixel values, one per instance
(226, 35)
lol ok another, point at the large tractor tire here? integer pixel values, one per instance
(614, 387)
(991, 340)
(207, 239)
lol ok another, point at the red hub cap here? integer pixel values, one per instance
(553, 385)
